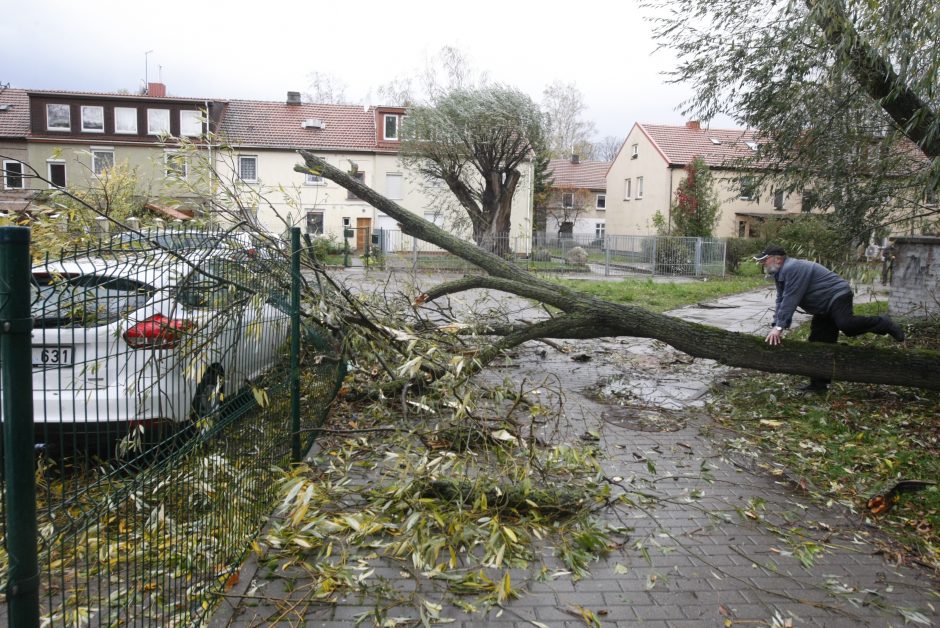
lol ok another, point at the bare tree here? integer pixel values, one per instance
(568, 133)
(607, 148)
(326, 89)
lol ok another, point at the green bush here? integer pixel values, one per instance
(738, 250)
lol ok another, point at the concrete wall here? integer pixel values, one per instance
(915, 279)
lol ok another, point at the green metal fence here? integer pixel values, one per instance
(169, 372)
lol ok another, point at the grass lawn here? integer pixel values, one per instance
(660, 296)
(855, 442)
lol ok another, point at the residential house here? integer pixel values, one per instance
(643, 179)
(577, 200)
(14, 154)
(261, 141)
(73, 138)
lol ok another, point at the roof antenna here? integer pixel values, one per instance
(146, 76)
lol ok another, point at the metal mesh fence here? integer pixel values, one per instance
(610, 255)
(160, 392)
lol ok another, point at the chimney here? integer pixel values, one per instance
(695, 125)
(293, 98)
(157, 90)
(575, 158)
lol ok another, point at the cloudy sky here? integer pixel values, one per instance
(261, 50)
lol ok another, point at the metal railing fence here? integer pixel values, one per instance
(608, 255)
(164, 374)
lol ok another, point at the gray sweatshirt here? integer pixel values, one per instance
(808, 285)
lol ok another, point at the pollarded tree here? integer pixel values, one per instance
(843, 92)
(695, 210)
(476, 140)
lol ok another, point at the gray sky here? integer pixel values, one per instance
(261, 50)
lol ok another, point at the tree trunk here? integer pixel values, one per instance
(915, 118)
(588, 317)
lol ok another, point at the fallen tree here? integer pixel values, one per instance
(583, 316)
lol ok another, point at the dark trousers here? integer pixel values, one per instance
(826, 327)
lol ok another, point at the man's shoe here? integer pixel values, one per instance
(893, 329)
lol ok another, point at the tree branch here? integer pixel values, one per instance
(876, 74)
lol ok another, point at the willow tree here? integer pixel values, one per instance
(576, 315)
(844, 94)
(477, 142)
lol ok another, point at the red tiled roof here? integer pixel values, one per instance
(14, 122)
(718, 147)
(257, 124)
(591, 175)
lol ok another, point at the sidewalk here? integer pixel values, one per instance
(710, 562)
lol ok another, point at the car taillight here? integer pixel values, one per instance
(157, 332)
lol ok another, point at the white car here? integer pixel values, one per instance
(149, 341)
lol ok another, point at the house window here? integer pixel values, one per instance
(190, 123)
(93, 119)
(634, 151)
(101, 160)
(599, 230)
(12, 175)
(639, 187)
(626, 189)
(125, 120)
(748, 188)
(158, 121)
(778, 200)
(361, 178)
(56, 173)
(177, 165)
(248, 168)
(58, 117)
(393, 187)
(313, 179)
(601, 202)
(567, 200)
(315, 223)
(391, 127)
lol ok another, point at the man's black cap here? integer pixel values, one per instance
(772, 249)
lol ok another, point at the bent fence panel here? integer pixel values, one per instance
(161, 406)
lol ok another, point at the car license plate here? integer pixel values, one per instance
(59, 355)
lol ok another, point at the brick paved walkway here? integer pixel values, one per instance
(715, 556)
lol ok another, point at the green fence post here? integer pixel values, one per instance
(19, 466)
(295, 343)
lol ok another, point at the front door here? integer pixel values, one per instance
(363, 233)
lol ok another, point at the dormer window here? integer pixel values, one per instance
(93, 119)
(715, 141)
(752, 145)
(58, 117)
(390, 127)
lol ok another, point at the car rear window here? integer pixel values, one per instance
(79, 300)
(217, 284)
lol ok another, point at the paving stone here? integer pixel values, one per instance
(687, 592)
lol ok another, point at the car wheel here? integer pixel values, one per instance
(208, 397)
